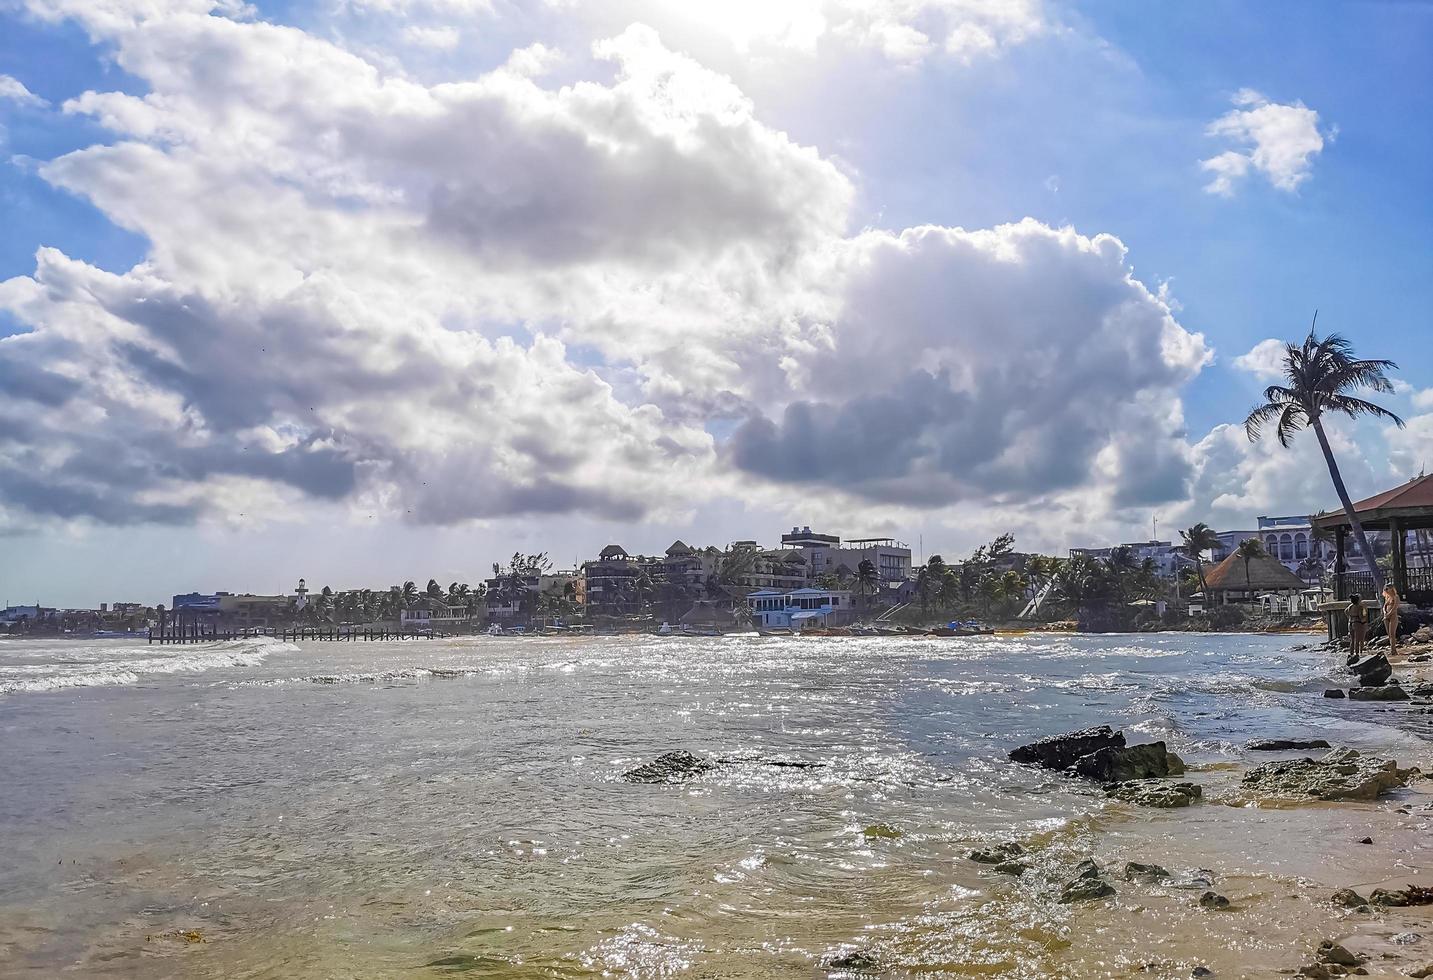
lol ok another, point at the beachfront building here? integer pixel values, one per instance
(826, 554)
(798, 608)
(1169, 560)
(428, 614)
(619, 584)
(1401, 516)
(1263, 576)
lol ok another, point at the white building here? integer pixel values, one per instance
(432, 614)
(825, 554)
(1168, 558)
(796, 608)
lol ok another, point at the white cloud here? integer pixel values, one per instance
(438, 38)
(489, 297)
(1265, 360)
(13, 90)
(1274, 139)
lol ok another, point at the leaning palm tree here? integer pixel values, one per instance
(1197, 540)
(1248, 550)
(1318, 376)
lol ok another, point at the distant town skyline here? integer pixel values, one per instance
(372, 290)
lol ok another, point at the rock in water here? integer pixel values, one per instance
(1372, 670)
(1144, 873)
(1155, 793)
(1118, 764)
(1213, 900)
(1062, 751)
(1343, 774)
(1333, 692)
(1332, 952)
(674, 767)
(1285, 744)
(1385, 692)
(1086, 884)
(1349, 899)
(998, 854)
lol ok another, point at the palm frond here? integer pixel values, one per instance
(1354, 407)
(1291, 420)
(1260, 417)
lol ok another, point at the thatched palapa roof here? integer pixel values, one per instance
(1266, 574)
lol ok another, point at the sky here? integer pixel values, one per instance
(373, 290)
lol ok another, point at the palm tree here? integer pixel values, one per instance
(867, 579)
(1197, 540)
(407, 595)
(1248, 550)
(1318, 375)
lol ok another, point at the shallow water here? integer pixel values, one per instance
(453, 808)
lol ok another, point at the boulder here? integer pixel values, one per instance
(855, 959)
(1372, 670)
(1085, 890)
(1285, 744)
(1349, 899)
(1384, 692)
(1342, 774)
(998, 854)
(1144, 873)
(674, 767)
(1118, 764)
(1333, 692)
(1155, 793)
(1332, 952)
(1016, 868)
(1213, 900)
(1062, 751)
(1401, 897)
(1423, 691)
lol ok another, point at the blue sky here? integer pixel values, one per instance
(693, 346)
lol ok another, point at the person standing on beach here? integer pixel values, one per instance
(1390, 617)
(1357, 623)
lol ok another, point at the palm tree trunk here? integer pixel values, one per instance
(1348, 510)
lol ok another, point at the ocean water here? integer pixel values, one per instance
(454, 808)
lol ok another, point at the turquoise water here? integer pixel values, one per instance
(453, 807)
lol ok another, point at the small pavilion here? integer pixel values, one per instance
(1405, 508)
(1265, 575)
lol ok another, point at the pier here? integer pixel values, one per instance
(184, 629)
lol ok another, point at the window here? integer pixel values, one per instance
(835, 600)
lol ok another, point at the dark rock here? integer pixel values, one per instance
(1285, 744)
(1062, 751)
(1365, 840)
(1343, 774)
(1372, 670)
(674, 767)
(856, 959)
(1424, 691)
(1201, 971)
(1349, 899)
(1118, 764)
(1213, 900)
(1401, 897)
(1144, 873)
(1332, 952)
(1333, 692)
(1086, 869)
(1386, 692)
(1155, 793)
(1085, 890)
(1016, 868)
(998, 854)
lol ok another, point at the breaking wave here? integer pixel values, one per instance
(100, 667)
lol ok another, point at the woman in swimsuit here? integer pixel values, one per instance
(1390, 617)
(1357, 623)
